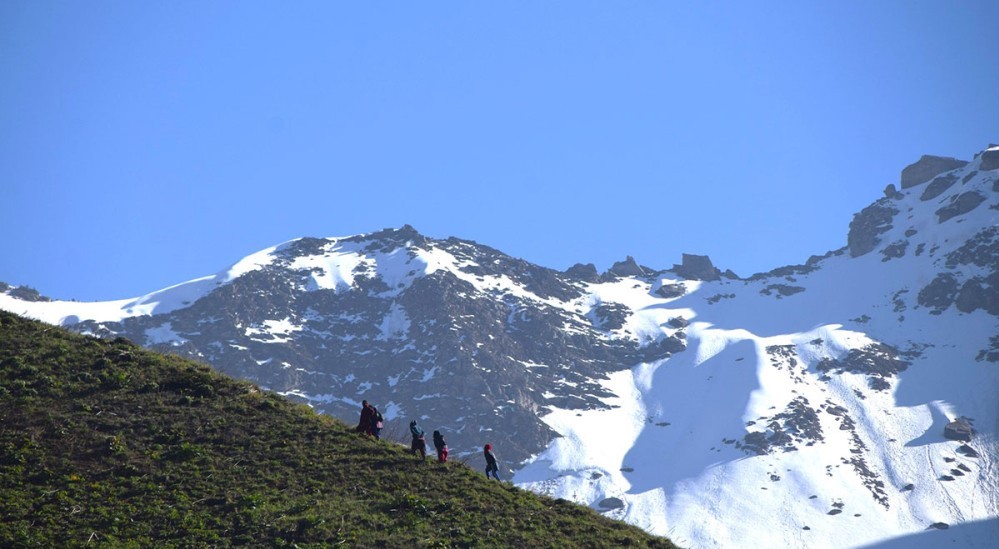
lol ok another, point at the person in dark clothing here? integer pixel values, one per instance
(419, 440)
(441, 445)
(375, 429)
(367, 415)
(491, 462)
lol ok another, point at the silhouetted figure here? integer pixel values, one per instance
(441, 445)
(491, 462)
(367, 415)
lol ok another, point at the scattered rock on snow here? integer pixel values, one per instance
(967, 451)
(781, 289)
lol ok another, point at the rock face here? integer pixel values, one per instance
(697, 267)
(990, 159)
(927, 168)
(867, 227)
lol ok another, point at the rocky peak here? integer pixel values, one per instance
(928, 167)
(585, 272)
(628, 267)
(697, 267)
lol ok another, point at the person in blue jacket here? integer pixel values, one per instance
(419, 441)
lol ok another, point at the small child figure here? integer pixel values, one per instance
(441, 446)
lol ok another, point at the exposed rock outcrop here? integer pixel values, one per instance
(927, 168)
(962, 204)
(892, 193)
(938, 186)
(990, 159)
(585, 272)
(867, 226)
(940, 293)
(670, 291)
(959, 429)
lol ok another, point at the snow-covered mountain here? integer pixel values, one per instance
(847, 401)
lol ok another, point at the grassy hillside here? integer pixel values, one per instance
(104, 443)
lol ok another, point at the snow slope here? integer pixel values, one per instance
(868, 466)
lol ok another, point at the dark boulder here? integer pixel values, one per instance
(670, 291)
(892, 192)
(697, 267)
(959, 205)
(967, 451)
(927, 168)
(677, 322)
(611, 503)
(959, 429)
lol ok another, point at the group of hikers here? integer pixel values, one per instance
(371, 423)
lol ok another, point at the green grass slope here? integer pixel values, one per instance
(103, 443)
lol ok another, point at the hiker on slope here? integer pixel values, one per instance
(367, 414)
(419, 442)
(371, 420)
(491, 462)
(441, 445)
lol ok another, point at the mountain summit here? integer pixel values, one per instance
(807, 406)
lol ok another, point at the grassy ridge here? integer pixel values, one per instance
(105, 443)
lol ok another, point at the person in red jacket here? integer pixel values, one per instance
(491, 462)
(441, 445)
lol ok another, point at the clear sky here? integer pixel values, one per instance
(144, 144)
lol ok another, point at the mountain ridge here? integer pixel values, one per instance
(837, 359)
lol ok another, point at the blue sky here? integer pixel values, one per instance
(145, 144)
